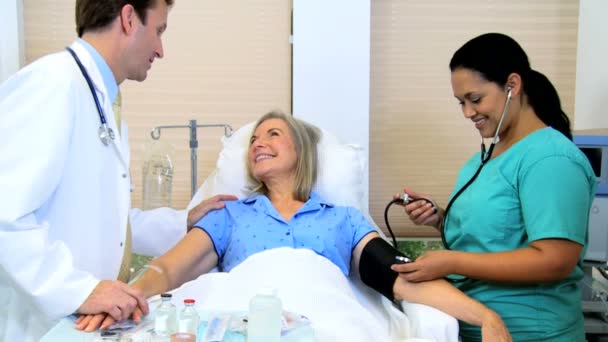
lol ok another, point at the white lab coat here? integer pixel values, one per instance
(64, 196)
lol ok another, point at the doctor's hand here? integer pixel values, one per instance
(115, 298)
(212, 203)
(422, 212)
(431, 265)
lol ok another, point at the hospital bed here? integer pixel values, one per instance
(340, 309)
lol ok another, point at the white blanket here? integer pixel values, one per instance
(340, 309)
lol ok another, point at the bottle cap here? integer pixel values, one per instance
(183, 337)
(189, 301)
(267, 291)
(166, 295)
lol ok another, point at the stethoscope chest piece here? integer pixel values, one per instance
(106, 135)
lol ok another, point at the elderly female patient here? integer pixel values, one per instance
(282, 162)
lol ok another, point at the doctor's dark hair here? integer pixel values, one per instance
(94, 15)
(495, 56)
(305, 138)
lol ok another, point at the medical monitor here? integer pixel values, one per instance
(595, 147)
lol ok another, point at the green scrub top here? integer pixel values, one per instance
(541, 187)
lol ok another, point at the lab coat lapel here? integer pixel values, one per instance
(119, 148)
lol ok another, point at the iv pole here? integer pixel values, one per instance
(155, 134)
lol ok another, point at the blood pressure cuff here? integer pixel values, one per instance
(375, 266)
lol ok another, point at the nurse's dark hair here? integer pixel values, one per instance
(495, 56)
(93, 15)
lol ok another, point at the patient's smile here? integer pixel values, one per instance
(262, 157)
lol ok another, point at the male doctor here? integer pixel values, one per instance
(64, 172)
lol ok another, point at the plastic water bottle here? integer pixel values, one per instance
(265, 316)
(165, 317)
(157, 174)
(188, 318)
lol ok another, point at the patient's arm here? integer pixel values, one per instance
(191, 257)
(442, 295)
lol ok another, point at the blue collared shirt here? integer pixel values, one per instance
(106, 73)
(253, 225)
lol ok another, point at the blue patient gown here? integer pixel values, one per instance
(252, 225)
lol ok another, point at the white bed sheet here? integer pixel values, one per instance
(311, 285)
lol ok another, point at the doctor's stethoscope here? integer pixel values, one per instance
(106, 134)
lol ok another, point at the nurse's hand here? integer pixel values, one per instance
(431, 265)
(115, 298)
(422, 212)
(212, 203)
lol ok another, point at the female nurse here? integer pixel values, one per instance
(515, 228)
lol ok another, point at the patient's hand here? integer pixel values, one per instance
(429, 266)
(212, 203)
(89, 323)
(493, 329)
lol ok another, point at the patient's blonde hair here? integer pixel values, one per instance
(305, 138)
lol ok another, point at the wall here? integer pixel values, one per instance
(418, 136)
(11, 37)
(225, 62)
(331, 61)
(591, 104)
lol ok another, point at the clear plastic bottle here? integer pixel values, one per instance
(188, 318)
(265, 316)
(165, 317)
(157, 175)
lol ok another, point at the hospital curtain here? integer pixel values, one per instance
(418, 135)
(225, 62)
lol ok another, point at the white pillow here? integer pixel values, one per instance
(339, 180)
